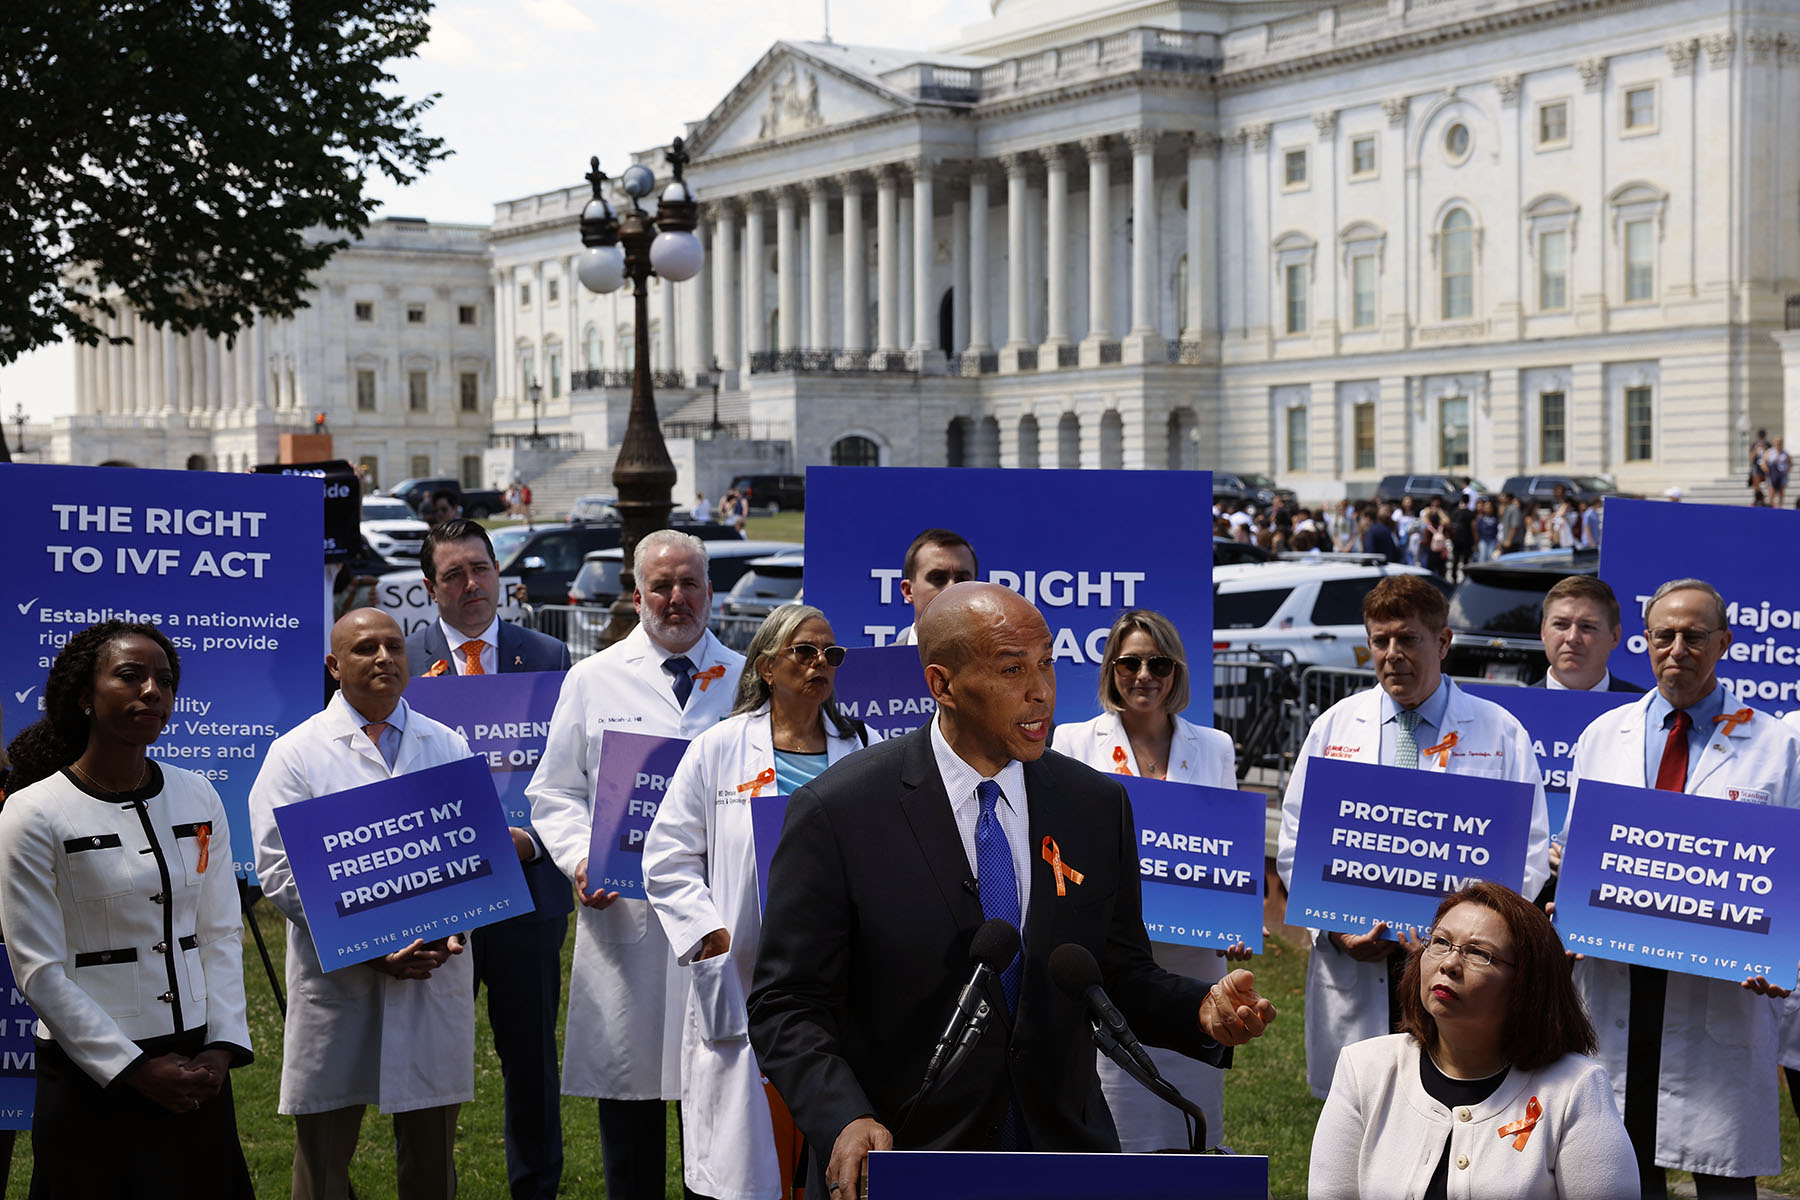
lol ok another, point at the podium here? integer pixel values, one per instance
(965, 1175)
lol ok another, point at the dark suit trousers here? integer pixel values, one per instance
(520, 962)
(634, 1148)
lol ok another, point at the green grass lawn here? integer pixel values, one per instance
(783, 527)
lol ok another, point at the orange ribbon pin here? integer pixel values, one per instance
(705, 678)
(437, 668)
(755, 786)
(203, 835)
(1442, 749)
(1731, 721)
(1123, 759)
(1533, 1110)
(1059, 868)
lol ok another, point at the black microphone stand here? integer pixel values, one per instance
(1159, 1087)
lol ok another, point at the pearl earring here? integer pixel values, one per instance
(87, 712)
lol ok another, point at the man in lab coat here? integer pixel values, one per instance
(397, 1031)
(1692, 1060)
(670, 677)
(1414, 717)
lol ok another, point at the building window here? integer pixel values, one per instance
(1638, 428)
(467, 386)
(524, 295)
(1294, 276)
(1296, 438)
(1553, 271)
(1640, 109)
(421, 466)
(1553, 124)
(594, 350)
(1362, 419)
(1453, 432)
(370, 469)
(365, 311)
(1362, 157)
(1552, 428)
(1640, 270)
(415, 314)
(471, 470)
(465, 314)
(1456, 142)
(1293, 170)
(552, 291)
(1458, 251)
(855, 451)
(418, 399)
(527, 373)
(556, 375)
(1362, 292)
(365, 391)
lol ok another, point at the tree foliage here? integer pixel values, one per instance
(200, 157)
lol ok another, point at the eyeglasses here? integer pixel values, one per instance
(1161, 665)
(1693, 639)
(805, 652)
(1439, 947)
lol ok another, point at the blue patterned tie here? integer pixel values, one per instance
(998, 882)
(682, 668)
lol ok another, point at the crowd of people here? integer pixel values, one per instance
(1473, 1057)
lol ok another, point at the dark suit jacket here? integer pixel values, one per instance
(520, 649)
(1613, 684)
(865, 945)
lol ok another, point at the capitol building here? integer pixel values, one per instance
(1324, 241)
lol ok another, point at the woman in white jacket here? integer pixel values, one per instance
(700, 873)
(1490, 1089)
(1144, 688)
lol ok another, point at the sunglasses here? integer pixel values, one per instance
(1161, 665)
(805, 652)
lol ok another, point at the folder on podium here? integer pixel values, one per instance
(969, 1175)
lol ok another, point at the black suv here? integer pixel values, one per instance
(1394, 488)
(550, 557)
(1248, 487)
(776, 493)
(1496, 614)
(1542, 488)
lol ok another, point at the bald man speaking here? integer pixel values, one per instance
(890, 862)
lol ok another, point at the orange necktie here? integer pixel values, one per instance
(471, 652)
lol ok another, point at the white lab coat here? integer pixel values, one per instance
(1206, 757)
(1346, 1000)
(358, 1036)
(626, 994)
(1716, 1108)
(700, 872)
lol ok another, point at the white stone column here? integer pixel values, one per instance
(1056, 268)
(818, 272)
(887, 259)
(924, 316)
(243, 377)
(259, 363)
(959, 272)
(1144, 343)
(215, 376)
(1202, 271)
(1018, 320)
(502, 388)
(787, 276)
(726, 307)
(140, 338)
(129, 389)
(81, 379)
(856, 265)
(904, 256)
(156, 394)
(183, 353)
(169, 347)
(697, 336)
(1099, 162)
(665, 324)
(980, 340)
(115, 365)
(756, 325)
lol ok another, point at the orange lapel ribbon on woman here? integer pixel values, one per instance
(203, 835)
(1731, 721)
(1123, 759)
(755, 786)
(1533, 1110)
(705, 678)
(1059, 868)
(1442, 749)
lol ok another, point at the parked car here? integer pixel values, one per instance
(1496, 615)
(1542, 488)
(1394, 488)
(507, 539)
(476, 503)
(594, 508)
(768, 584)
(596, 586)
(550, 555)
(775, 493)
(1256, 489)
(1308, 607)
(391, 528)
(1226, 552)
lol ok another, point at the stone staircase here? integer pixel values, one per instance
(554, 491)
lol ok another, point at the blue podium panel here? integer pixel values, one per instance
(967, 1175)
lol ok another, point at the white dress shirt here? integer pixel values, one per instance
(960, 780)
(490, 650)
(1556, 685)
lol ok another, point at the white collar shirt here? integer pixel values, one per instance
(960, 780)
(490, 650)
(1556, 685)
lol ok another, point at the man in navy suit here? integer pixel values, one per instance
(1580, 632)
(520, 959)
(890, 861)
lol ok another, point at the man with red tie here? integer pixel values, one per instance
(1692, 1059)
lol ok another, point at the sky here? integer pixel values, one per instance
(529, 89)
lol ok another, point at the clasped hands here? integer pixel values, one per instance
(420, 959)
(179, 1083)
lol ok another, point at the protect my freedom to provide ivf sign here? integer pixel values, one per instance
(1388, 843)
(421, 855)
(1200, 852)
(634, 772)
(1697, 884)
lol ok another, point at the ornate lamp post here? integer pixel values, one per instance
(18, 418)
(633, 246)
(536, 392)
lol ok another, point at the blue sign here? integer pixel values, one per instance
(884, 688)
(633, 774)
(767, 813)
(1083, 546)
(1696, 884)
(1554, 720)
(1763, 663)
(505, 718)
(952, 1175)
(1388, 843)
(1200, 852)
(18, 1051)
(421, 855)
(229, 567)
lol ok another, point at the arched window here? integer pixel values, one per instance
(1457, 259)
(956, 443)
(987, 443)
(855, 451)
(595, 351)
(1028, 441)
(1112, 440)
(1068, 442)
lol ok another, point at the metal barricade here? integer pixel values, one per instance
(1322, 687)
(1252, 691)
(736, 631)
(580, 627)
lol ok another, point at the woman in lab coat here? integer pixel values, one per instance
(1143, 688)
(700, 873)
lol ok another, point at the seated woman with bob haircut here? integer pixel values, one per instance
(1489, 1089)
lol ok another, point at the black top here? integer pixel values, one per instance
(1452, 1094)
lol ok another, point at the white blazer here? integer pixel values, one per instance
(1346, 1000)
(700, 872)
(1716, 1099)
(356, 1035)
(1382, 1134)
(1196, 755)
(626, 995)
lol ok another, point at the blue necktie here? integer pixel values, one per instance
(997, 881)
(682, 668)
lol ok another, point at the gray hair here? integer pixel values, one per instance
(771, 637)
(1691, 585)
(674, 539)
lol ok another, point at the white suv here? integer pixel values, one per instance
(1310, 606)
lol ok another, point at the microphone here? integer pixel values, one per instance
(992, 950)
(1078, 975)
